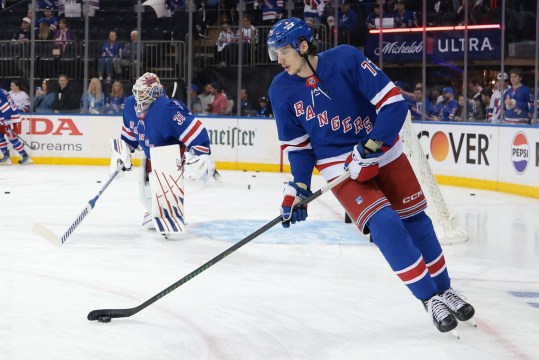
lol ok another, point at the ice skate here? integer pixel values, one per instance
(458, 307)
(6, 160)
(25, 160)
(441, 315)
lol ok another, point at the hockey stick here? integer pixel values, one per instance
(49, 235)
(174, 89)
(25, 143)
(105, 315)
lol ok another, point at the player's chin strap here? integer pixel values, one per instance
(306, 57)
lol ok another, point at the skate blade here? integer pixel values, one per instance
(455, 333)
(471, 322)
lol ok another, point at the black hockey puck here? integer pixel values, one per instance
(104, 319)
(248, 187)
(99, 181)
(7, 192)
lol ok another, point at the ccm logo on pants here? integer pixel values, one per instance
(413, 197)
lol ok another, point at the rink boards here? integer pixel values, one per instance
(493, 157)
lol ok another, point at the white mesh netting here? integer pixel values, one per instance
(444, 220)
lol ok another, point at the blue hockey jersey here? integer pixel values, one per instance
(320, 125)
(167, 122)
(8, 109)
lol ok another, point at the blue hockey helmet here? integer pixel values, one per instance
(288, 32)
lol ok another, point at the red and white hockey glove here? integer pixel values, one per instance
(293, 194)
(6, 127)
(363, 161)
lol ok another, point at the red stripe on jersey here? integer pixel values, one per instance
(437, 265)
(301, 144)
(186, 139)
(390, 93)
(321, 167)
(127, 131)
(414, 273)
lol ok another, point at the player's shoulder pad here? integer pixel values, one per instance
(129, 106)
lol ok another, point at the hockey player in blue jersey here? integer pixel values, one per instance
(9, 115)
(337, 109)
(165, 130)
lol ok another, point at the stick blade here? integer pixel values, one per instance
(46, 234)
(109, 313)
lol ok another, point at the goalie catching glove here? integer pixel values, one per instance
(200, 168)
(121, 156)
(293, 194)
(363, 161)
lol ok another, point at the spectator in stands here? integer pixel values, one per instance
(404, 18)
(66, 99)
(114, 104)
(128, 56)
(517, 100)
(348, 23)
(313, 9)
(44, 32)
(48, 4)
(474, 85)
(486, 97)
(63, 37)
(19, 96)
(372, 16)
(495, 106)
(110, 50)
(249, 35)
(414, 101)
(44, 98)
(24, 33)
(272, 11)
(95, 98)
(48, 19)
(223, 45)
(470, 111)
(200, 23)
(264, 108)
(206, 98)
(196, 104)
(246, 107)
(219, 103)
(448, 106)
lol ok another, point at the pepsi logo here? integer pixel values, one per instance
(520, 152)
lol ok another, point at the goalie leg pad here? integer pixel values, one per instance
(145, 193)
(167, 191)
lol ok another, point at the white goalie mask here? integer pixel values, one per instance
(146, 90)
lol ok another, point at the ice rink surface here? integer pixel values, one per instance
(319, 291)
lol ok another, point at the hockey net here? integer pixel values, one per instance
(444, 220)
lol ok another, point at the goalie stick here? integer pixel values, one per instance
(174, 89)
(104, 315)
(53, 238)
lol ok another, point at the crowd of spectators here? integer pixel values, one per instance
(507, 100)
(355, 18)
